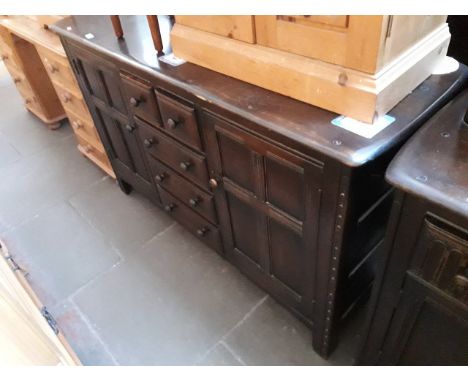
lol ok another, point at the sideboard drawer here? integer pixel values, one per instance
(198, 200)
(206, 231)
(72, 103)
(179, 120)
(140, 99)
(183, 160)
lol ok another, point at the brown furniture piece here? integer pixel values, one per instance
(419, 309)
(37, 62)
(298, 204)
(359, 66)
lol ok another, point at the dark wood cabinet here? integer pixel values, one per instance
(419, 309)
(296, 203)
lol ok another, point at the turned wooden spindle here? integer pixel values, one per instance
(155, 33)
(117, 26)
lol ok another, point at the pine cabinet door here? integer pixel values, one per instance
(350, 41)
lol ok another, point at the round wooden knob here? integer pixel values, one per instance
(170, 207)
(213, 183)
(77, 124)
(185, 165)
(134, 102)
(51, 68)
(16, 80)
(4, 57)
(160, 177)
(194, 201)
(148, 142)
(129, 128)
(66, 97)
(171, 124)
(202, 231)
(28, 101)
(88, 149)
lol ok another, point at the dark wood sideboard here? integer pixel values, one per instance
(419, 308)
(296, 203)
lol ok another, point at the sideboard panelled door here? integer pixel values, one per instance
(100, 83)
(334, 34)
(268, 205)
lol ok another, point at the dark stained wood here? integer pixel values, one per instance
(419, 308)
(300, 205)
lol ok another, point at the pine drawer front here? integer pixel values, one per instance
(197, 199)
(59, 70)
(206, 231)
(179, 120)
(84, 127)
(72, 103)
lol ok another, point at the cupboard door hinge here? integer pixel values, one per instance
(50, 319)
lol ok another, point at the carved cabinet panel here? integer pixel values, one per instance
(268, 200)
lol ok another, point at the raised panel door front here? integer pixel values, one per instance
(350, 41)
(268, 201)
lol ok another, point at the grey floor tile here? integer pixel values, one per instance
(128, 221)
(60, 251)
(51, 177)
(169, 304)
(272, 336)
(220, 356)
(8, 153)
(81, 336)
(24, 131)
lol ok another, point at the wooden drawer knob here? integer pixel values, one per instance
(16, 80)
(52, 68)
(4, 57)
(170, 207)
(202, 231)
(171, 123)
(28, 101)
(160, 177)
(148, 142)
(195, 201)
(185, 165)
(66, 97)
(213, 183)
(77, 124)
(134, 101)
(88, 149)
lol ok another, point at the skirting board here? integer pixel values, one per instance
(344, 91)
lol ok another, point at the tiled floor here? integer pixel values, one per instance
(126, 284)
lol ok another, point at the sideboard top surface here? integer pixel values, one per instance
(307, 125)
(433, 165)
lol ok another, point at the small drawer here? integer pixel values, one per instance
(140, 99)
(10, 62)
(86, 129)
(198, 200)
(72, 103)
(181, 159)
(95, 154)
(179, 120)
(59, 70)
(206, 231)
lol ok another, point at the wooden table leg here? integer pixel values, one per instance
(155, 33)
(117, 26)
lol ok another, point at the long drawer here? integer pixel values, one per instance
(206, 231)
(85, 128)
(72, 102)
(181, 159)
(197, 199)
